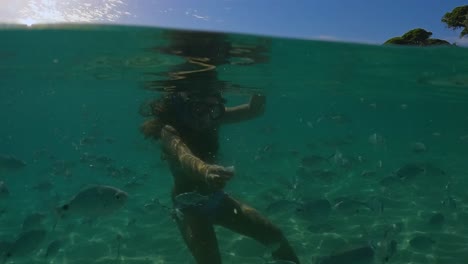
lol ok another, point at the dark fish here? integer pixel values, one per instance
(389, 250)
(421, 242)
(26, 243)
(33, 221)
(4, 247)
(312, 160)
(351, 206)
(10, 162)
(109, 140)
(318, 209)
(434, 170)
(89, 140)
(153, 204)
(119, 238)
(376, 204)
(282, 205)
(356, 255)
(87, 157)
(449, 202)
(321, 228)
(436, 220)
(279, 262)
(134, 182)
(53, 248)
(338, 118)
(104, 160)
(368, 173)
(393, 230)
(409, 171)
(337, 142)
(62, 168)
(390, 181)
(321, 174)
(4, 192)
(43, 186)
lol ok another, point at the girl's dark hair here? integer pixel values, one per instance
(161, 113)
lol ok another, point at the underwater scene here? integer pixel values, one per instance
(359, 153)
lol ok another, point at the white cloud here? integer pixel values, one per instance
(459, 41)
(194, 13)
(462, 42)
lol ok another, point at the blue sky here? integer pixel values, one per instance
(368, 21)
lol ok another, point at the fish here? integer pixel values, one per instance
(43, 186)
(449, 202)
(280, 262)
(357, 254)
(321, 228)
(368, 173)
(349, 205)
(409, 171)
(322, 174)
(26, 243)
(4, 192)
(10, 162)
(421, 242)
(62, 168)
(315, 210)
(33, 221)
(436, 220)
(312, 160)
(376, 139)
(390, 180)
(53, 248)
(282, 205)
(337, 142)
(390, 250)
(4, 247)
(418, 147)
(94, 201)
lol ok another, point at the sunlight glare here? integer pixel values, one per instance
(78, 11)
(27, 21)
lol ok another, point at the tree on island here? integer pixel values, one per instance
(416, 37)
(456, 19)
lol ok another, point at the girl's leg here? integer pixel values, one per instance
(199, 235)
(245, 220)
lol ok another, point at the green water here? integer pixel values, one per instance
(70, 92)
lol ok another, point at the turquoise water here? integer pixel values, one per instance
(381, 133)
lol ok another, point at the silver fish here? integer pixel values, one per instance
(94, 201)
(26, 243)
(53, 248)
